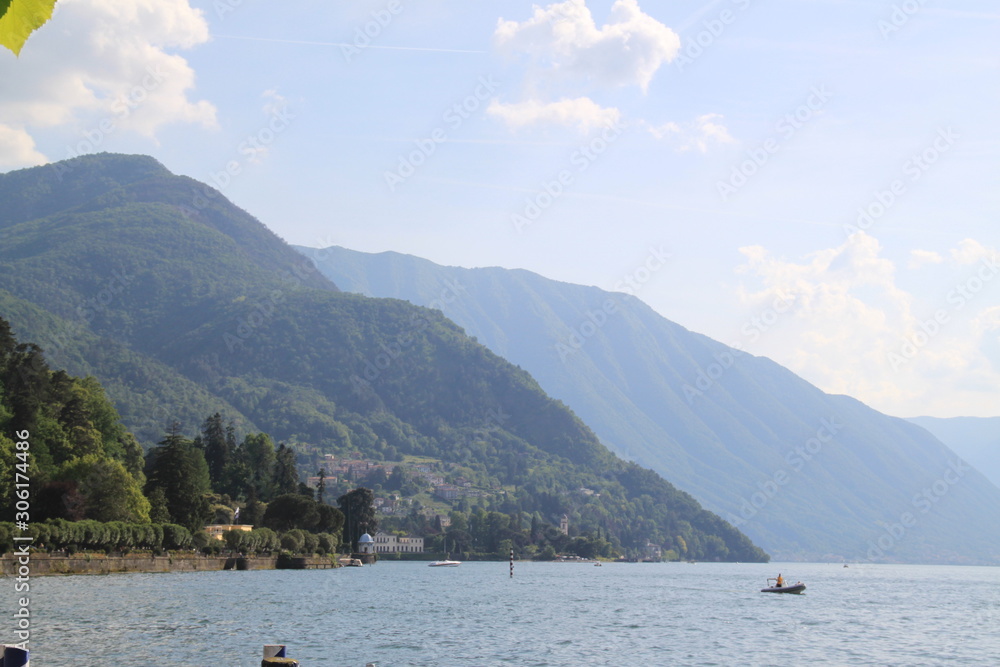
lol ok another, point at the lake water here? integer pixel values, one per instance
(549, 614)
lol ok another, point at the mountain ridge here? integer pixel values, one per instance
(716, 422)
(196, 293)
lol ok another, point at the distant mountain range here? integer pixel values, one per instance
(806, 474)
(183, 305)
(975, 439)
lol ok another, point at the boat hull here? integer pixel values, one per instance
(795, 588)
(445, 563)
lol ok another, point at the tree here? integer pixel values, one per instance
(258, 450)
(109, 492)
(291, 511)
(215, 441)
(59, 500)
(286, 476)
(321, 486)
(331, 520)
(249, 468)
(180, 471)
(358, 507)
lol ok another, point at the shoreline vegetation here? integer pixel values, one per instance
(140, 563)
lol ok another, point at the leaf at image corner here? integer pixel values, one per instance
(19, 18)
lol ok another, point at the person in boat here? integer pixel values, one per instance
(780, 581)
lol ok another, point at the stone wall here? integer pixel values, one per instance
(43, 564)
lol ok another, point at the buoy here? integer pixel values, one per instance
(274, 656)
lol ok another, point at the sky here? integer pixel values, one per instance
(821, 176)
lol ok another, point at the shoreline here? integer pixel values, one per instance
(98, 563)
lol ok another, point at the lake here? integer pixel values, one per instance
(549, 614)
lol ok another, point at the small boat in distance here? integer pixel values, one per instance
(797, 587)
(445, 563)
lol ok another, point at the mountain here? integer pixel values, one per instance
(182, 304)
(975, 439)
(808, 475)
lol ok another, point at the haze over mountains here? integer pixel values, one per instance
(806, 474)
(183, 305)
(975, 439)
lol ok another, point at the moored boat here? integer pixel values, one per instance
(445, 563)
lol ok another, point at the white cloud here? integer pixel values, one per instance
(103, 66)
(700, 135)
(848, 327)
(17, 148)
(564, 39)
(919, 258)
(970, 251)
(273, 102)
(570, 58)
(583, 113)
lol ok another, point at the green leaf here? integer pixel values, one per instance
(20, 18)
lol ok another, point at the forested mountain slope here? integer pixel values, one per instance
(806, 474)
(164, 290)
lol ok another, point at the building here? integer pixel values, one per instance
(366, 544)
(564, 525)
(217, 530)
(391, 544)
(447, 491)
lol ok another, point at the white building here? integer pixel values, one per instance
(390, 544)
(365, 544)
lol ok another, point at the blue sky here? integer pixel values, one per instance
(743, 138)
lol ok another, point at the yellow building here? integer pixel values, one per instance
(217, 530)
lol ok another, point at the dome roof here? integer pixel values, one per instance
(365, 538)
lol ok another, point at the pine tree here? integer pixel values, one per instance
(358, 507)
(180, 471)
(321, 486)
(286, 475)
(215, 442)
